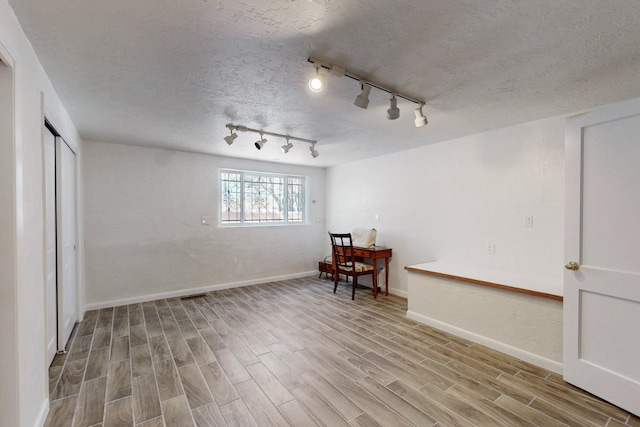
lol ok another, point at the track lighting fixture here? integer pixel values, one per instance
(316, 82)
(229, 139)
(314, 153)
(421, 119)
(362, 100)
(260, 143)
(393, 112)
(288, 146)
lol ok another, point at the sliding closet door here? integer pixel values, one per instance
(66, 240)
(51, 292)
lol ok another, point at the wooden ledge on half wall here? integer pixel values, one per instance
(539, 286)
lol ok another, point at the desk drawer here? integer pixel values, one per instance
(363, 253)
(372, 253)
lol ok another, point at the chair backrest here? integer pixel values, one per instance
(342, 247)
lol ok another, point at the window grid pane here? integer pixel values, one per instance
(295, 199)
(231, 190)
(249, 197)
(263, 198)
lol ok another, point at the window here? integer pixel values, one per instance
(261, 198)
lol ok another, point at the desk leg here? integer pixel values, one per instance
(386, 276)
(375, 278)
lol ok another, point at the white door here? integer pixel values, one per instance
(50, 244)
(602, 226)
(66, 240)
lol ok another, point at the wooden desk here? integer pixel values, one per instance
(376, 253)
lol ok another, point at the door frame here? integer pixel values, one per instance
(9, 160)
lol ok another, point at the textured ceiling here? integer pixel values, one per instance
(173, 73)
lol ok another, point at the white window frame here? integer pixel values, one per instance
(242, 219)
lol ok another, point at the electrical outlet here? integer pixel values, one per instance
(491, 248)
(527, 221)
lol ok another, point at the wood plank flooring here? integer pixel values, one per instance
(293, 353)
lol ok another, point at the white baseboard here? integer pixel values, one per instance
(42, 415)
(521, 354)
(399, 292)
(381, 288)
(191, 291)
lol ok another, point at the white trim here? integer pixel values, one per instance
(11, 212)
(191, 291)
(399, 292)
(57, 123)
(42, 415)
(537, 360)
(381, 289)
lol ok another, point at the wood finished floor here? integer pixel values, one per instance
(294, 353)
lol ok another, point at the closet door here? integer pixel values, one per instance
(66, 240)
(51, 292)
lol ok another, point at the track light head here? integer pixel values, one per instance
(362, 100)
(316, 82)
(260, 143)
(393, 112)
(314, 153)
(230, 138)
(288, 146)
(421, 119)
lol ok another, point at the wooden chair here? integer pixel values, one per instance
(344, 262)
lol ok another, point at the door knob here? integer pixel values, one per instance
(572, 265)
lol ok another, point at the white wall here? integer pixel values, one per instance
(525, 326)
(448, 201)
(28, 402)
(144, 238)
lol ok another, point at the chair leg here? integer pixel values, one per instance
(355, 283)
(335, 283)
